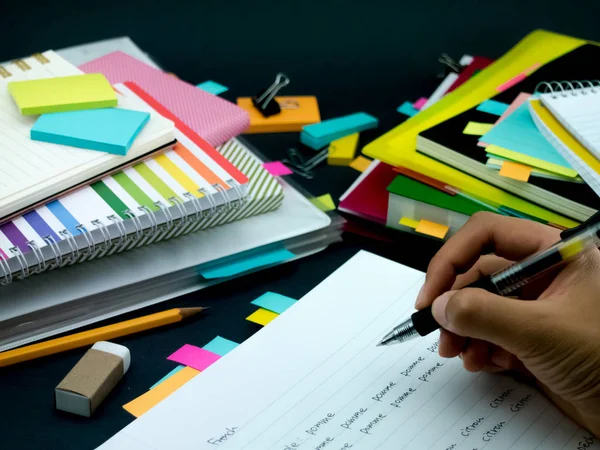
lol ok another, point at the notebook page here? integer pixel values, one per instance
(579, 112)
(314, 379)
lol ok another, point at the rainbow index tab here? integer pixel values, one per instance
(61, 94)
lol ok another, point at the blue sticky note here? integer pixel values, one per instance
(242, 263)
(407, 109)
(169, 375)
(493, 107)
(318, 135)
(518, 133)
(220, 346)
(274, 302)
(212, 87)
(110, 130)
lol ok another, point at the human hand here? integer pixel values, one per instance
(556, 338)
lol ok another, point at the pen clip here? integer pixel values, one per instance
(594, 220)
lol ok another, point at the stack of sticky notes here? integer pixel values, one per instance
(341, 151)
(318, 135)
(296, 112)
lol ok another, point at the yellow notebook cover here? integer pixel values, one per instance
(296, 112)
(61, 94)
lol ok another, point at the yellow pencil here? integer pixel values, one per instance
(99, 334)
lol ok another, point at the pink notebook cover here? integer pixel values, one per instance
(213, 118)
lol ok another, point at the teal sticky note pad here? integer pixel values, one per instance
(407, 109)
(243, 263)
(110, 130)
(345, 125)
(169, 375)
(493, 107)
(274, 302)
(212, 87)
(220, 346)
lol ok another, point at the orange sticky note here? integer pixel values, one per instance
(153, 397)
(360, 163)
(296, 112)
(262, 316)
(515, 171)
(432, 229)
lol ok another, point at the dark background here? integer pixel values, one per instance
(353, 55)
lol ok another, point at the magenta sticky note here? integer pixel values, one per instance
(194, 357)
(420, 103)
(277, 168)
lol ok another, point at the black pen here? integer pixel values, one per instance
(574, 241)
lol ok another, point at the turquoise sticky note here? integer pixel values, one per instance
(242, 263)
(170, 374)
(212, 87)
(110, 130)
(318, 135)
(274, 302)
(407, 109)
(493, 107)
(220, 346)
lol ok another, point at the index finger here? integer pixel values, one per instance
(507, 237)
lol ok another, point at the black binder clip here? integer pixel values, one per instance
(265, 101)
(450, 65)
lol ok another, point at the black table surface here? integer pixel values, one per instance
(353, 55)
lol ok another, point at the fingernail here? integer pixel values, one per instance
(438, 309)
(420, 303)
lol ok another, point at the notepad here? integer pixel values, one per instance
(59, 94)
(315, 379)
(110, 130)
(296, 112)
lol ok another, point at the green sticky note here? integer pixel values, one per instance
(324, 202)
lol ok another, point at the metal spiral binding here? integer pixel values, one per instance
(213, 205)
(107, 243)
(139, 230)
(123, 239)
(55, 250)
(39, 256)
(153, 222)
(7, 278)
(16, 251)
(240, 202)
(74, 255)
(568, 88)
(91, 248)
(226, 202)
(197, 215)
(183, 220)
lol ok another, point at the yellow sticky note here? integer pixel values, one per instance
(262, 316)
(515, 171)
(477, 128)
(409, 222)
(341, 151)
(324, 202)
(360, 163)
(432, 229)
(154, 396)
(74, 93)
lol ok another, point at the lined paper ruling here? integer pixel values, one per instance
(332, 388)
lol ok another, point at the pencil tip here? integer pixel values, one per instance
(188, 312)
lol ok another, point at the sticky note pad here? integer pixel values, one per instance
(341, 151)
(110, 130)
(274, 302)
(407, 109)
(320, 134)
(515, 171)
(493, 107)
(60, 94)
(296, 112)
(418, 105)
(262, 316)
(277, 168)
(220, 346)
(153, 397)
(407, 222)
(432, 229)
(192, 356)
(212, 87)
(323, 202)
(477, 128)
(361, 163)
(167, 376)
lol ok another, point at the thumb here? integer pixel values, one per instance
(479, 314)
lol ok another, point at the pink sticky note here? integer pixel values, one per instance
(277, 168)
(420, 103)
(521, 98)
(194, 357)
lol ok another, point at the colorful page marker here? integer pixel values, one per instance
(60, 94)
(274, 302)
(318, 135)
(220, 346)
(521, 98)
(407, 222)
(517, 79)
(153, 397)
(342, 151)
(277, 168)
(407, 109)
(360, 163)
(477, 128)
(262, 316)
(432, 229)
(167, 376)
(195, 357)
(110, 130)
(493, 107)
(212, 87)
(324, 202)
(296, 112)
(418, 105)
(242, 263)
(515, 171)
